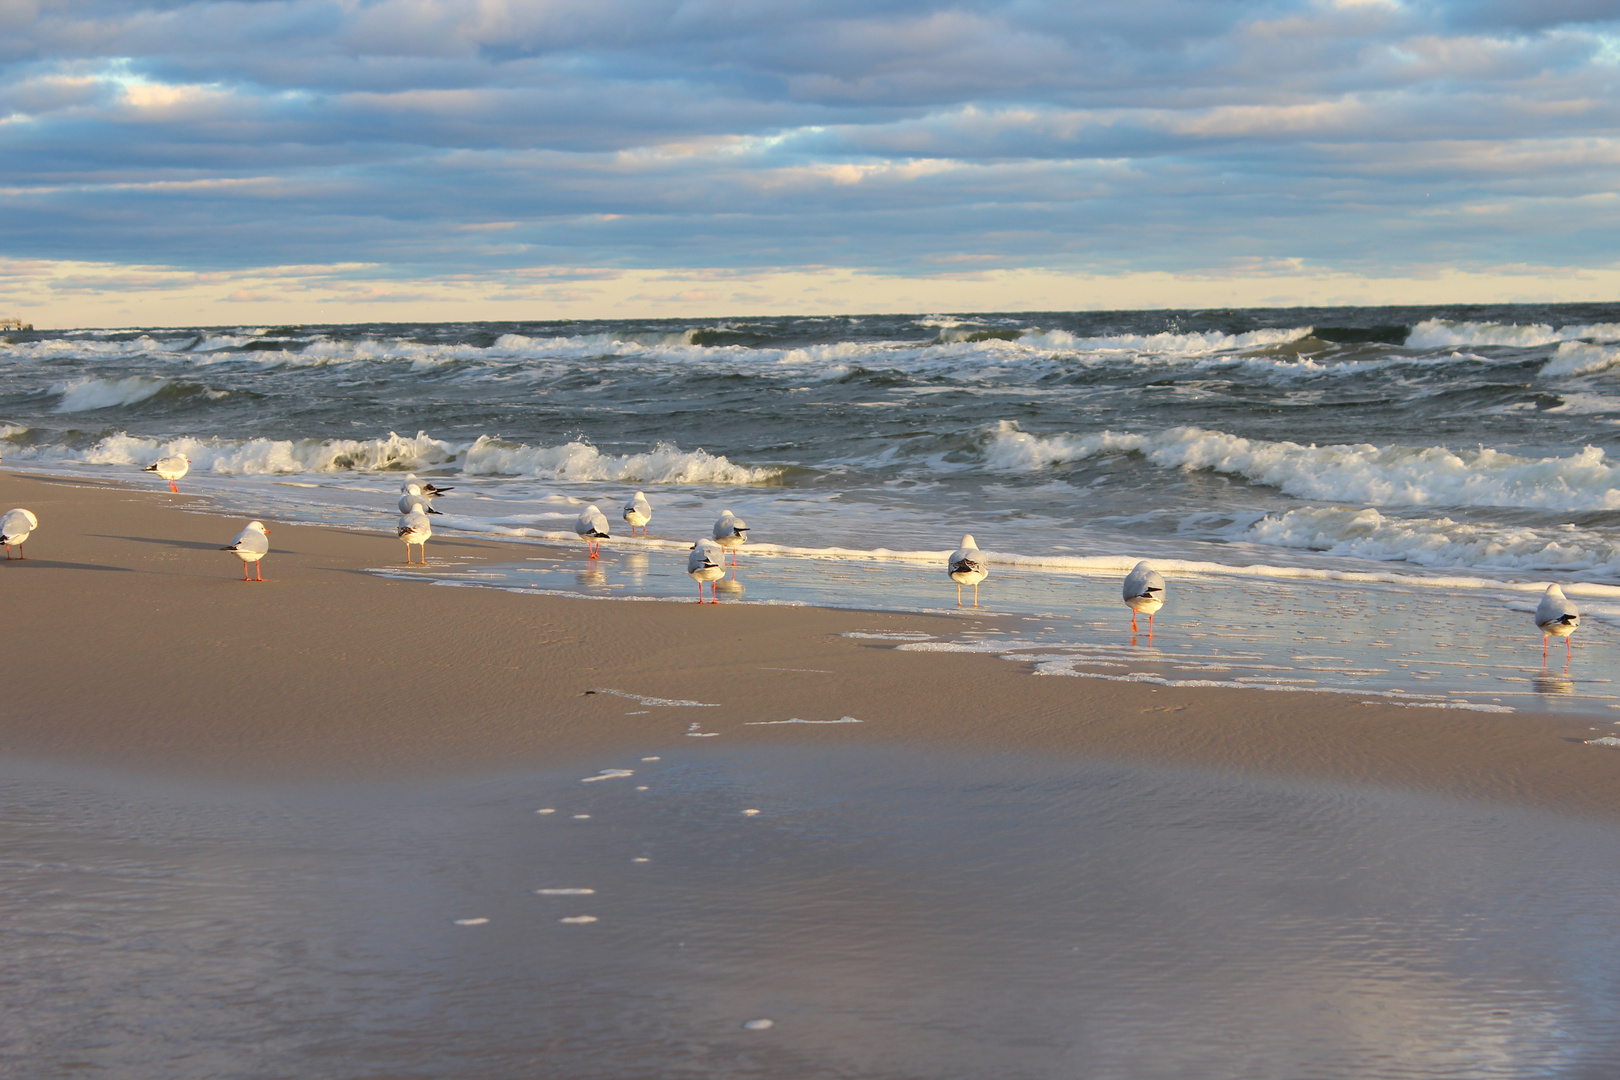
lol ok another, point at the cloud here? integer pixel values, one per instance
(438, 138)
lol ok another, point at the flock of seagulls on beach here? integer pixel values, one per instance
(1144, 589)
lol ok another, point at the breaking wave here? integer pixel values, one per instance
(1365, 474)
(665, 464)
(1443, 333)
(88, 394)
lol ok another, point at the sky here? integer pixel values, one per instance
(207, 163)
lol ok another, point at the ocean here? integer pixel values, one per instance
(1436, 467)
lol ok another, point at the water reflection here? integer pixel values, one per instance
(592, 577)
(1553, 683)
(1137, 923)
(730, 587)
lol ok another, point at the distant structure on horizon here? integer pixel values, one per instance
(15, 324)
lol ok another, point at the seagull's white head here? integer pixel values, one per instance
(413, 489)
(258, 526)
(1555, 590)
(969, 542)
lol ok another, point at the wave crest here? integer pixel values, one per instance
(1365, 474)
(88, 393)
(664, 464)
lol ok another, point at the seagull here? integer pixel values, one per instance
(638, 513)
(414, 528)
(171, 469)
(592, 527)
(966, 566)
(415, 499)
(428, 490)
(706, 563)
(1556, 617)
(1144, 592)
(14, 529)
(731, 533)
(251, 545)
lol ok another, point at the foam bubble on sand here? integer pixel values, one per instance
(608, 774)
(1607, 740)
(652, 759)
(471, 922)
(641, 787)
(641, 858)
(693, 732)
(565, 892)
(546, 810)
(578, 919)
(658, 702)
(967, 646)
(796, 720)
(887, 635)
(750, 813)
(1064, 665)
(582, 817)
(639, 712)
(761, 1024)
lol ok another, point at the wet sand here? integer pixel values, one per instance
(134, 643)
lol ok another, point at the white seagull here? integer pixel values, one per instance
(1144, 592)
(414, 528)
(428, 490)
(14, 529)
(1556, 617)
(171, 469)
(251, 545)
(966, 566)
(638, 513)
(415, 499)
(731, 533)
(592, 527)
(706, 563)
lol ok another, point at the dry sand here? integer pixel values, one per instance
(133, 642)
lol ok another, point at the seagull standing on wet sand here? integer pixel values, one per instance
(731, 533)
(170, 469)
(414, 499)
(1556, 616)
(706, 563)
(1144, 592)
(14, 529)
(966, 566)
(414, 528)
(592, 527)
(251, 545)
(638, 513)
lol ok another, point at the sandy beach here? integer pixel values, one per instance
(136, 645)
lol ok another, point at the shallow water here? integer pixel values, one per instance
(1427, 645)
(893, 913)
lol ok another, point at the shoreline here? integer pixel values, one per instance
(136, 646)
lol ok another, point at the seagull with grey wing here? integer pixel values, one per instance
(638, 512)
(1144, 592)
(592, 528)
(967, 566)
(415, 499)
(706, 563)
(251, 545)
(1556, 616)
(15, 528)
